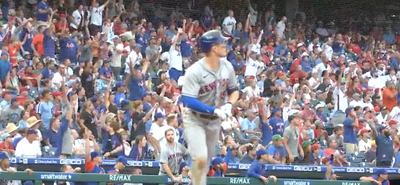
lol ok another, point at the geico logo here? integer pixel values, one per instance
(71, 161)
(135, 163)
(303, 168)
(355, 170)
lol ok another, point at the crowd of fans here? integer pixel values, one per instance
(98, 80)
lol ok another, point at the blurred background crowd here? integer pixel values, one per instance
(77, 72)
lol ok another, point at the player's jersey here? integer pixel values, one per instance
(208, 86)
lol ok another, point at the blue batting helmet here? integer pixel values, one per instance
(209, 39)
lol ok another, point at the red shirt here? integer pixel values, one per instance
(4, 147)
(60, 26)
(13, 50)
(33, 81)
(356, 49)
(22, 100)
(294, 65)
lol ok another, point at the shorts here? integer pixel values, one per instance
(175, 74)
(135, 104)
(94, 29)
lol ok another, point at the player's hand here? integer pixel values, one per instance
(221, 114)
(264, 179)
(177, 179)
(227, 107)
(273, 177)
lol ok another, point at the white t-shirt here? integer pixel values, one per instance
(97, 16)
(313, 82)
(280, 29)
(328, 51)
(78, 17)
(175, 59)
(340, 100)
(133, 58)
(395, 113)
(321, 67)
(381, 119)
(310, 47)
(57, 80)
(29, 150)
(116, 55)
(228, 25)
(251, 67)
(375, 83)
(364, 146)
(250, 92)
(355, 103)
(256, 48)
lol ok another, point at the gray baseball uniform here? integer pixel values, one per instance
(211, 88)
(172, 156)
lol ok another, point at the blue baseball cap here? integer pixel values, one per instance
(124, 103)
(261, 152)
(145, 94)
(14, 99)
(5, 135)
(217, 160)
(158, 115)
(4, 53)
(94, 99)
(122, 160)
(381, 171)
(120, 84)
(3, 155)
(94, 154)
(70, 94)
(31, 131)
(182, 165)
(275, 110)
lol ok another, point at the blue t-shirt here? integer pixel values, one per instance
(46, 111)
(5, 67)
(118, 98)
(385, 182)
(276, 152)
(47, 73)
(384, 151)
(28, 41)
(238, 66)
(68, 50)
(136, 89)
(42, 16)
(105, 72)
(278, 125)
(49, 45)
(186, 48)
(266, 134)
(140, 39)
(350, 135)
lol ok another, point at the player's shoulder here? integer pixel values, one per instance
(196, 68)
(226, 63)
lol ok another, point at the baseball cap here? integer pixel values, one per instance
(280, 73)
(217, 160)
(158, 115)
(305, 144)
(277, 137)
(24, 89)
(381, 171)
(275, 110)
(122, 160)
(56, 93)
(93, 99)
(70, 94)
(182, 165)
(120, 84)
(94, 154)
(124, 103)
(31, 131)
(261, 152)
(315, 146)
(14, 99)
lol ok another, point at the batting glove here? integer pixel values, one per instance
(221, 114)
(227, 107)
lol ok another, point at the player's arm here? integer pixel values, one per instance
(190, 93)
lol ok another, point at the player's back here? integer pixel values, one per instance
(208, 86)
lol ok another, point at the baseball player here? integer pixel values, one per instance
(209, 91)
